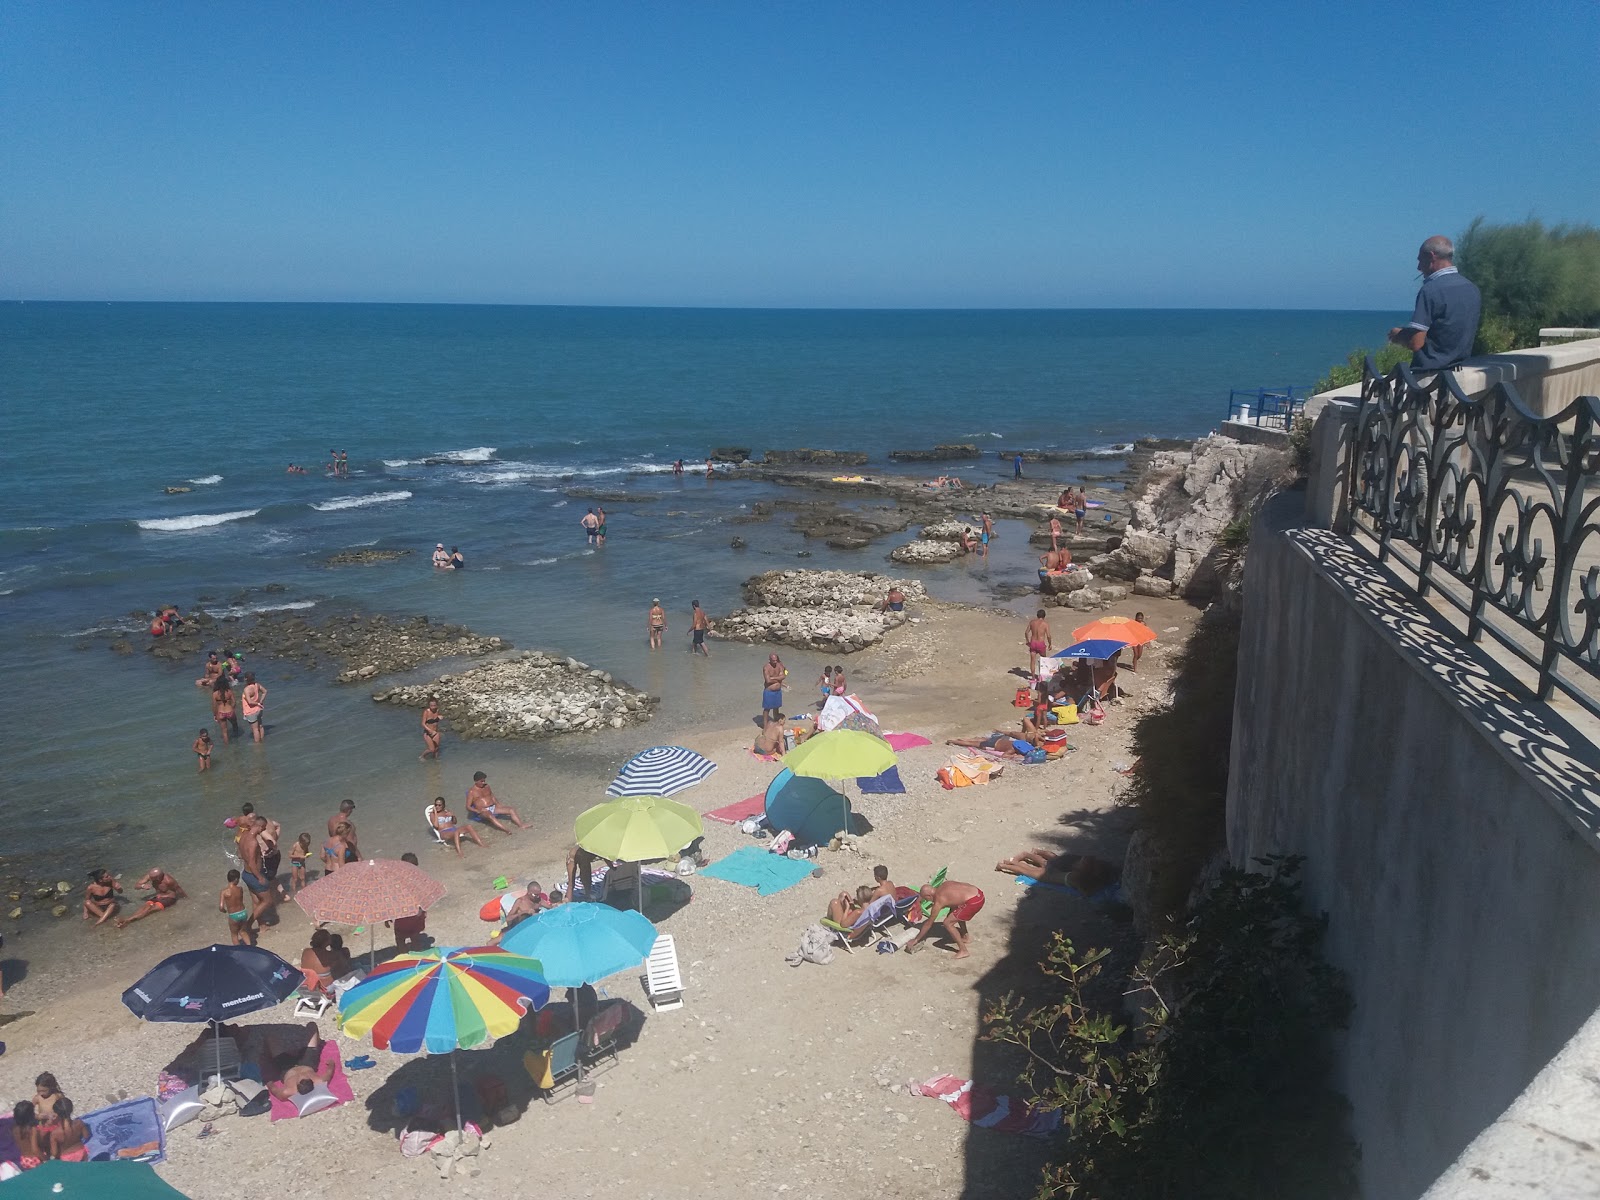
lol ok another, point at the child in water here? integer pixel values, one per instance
(825, 682)
(202, 749)
(298, 853)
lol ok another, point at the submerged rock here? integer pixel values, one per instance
(361, 558)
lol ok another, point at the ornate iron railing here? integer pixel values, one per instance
(1495, 498)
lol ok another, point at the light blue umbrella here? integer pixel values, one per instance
(806, 807)
(581, 943)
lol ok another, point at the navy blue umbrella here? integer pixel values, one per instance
(213, 983)
(1097, 648)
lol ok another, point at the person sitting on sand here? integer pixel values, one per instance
(770, 740)
(846, 910)
(100, 897)
(339, 959)
(33, 1146)
(68, 1138)
(882, 885)
(451, 833)
(1082, 872)
(533, 900)
(894, 601)
(482, 804)
(964, 900)
(167, 893)
(301, 1074)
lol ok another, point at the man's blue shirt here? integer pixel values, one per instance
(1448, 308)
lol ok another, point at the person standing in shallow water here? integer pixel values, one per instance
(431, 717)
(699, 626)
(591, 526)
(657, 622)
(253, 698)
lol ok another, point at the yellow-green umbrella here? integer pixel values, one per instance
(637, 829)
(841, 754)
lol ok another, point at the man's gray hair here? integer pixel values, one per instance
(1440, 247)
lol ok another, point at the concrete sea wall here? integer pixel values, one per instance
(1450, 832)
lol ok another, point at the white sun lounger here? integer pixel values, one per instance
(662, 981)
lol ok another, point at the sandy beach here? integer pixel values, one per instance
(771, 1078)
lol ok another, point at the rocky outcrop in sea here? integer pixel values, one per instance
(836, 590)
(528, 695)
(829, 611)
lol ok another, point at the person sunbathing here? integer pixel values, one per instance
(167, 893)
(1081, 872)
(444, 821)
(1003, 741)
(302, 1074)
(846, 910)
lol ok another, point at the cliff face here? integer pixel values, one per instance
(1184, 501)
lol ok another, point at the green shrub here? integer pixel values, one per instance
(1221, 1091)
(1300, 445)
(1387, 357)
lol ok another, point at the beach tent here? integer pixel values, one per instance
(807, 808)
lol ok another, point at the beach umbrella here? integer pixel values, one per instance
(1119, 629)
(1101, 648)
(637, 829)
(806, 807)
(661, 771)
(91, 1181)
(841, 754)
(364, 893)
(444, 999)
(212, 983)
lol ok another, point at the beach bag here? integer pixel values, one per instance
(1066, 714)
(1035, 756)
(1096, 714)
(1023, 698)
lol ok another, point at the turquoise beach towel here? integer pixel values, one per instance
(760, 869)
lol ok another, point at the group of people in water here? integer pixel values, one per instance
(448, 560)
(220, 675)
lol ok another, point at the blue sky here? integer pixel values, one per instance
(888, 153)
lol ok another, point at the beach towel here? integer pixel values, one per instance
(889, 781)
(839, 708)
(1110, 894)
(988, 1109)
(339, 1086)
(732, 814)
(757, 868)
(900, 742)
(129, 1130)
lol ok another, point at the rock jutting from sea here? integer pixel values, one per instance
(528, 695)
(831, 611)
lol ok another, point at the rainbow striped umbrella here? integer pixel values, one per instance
(444, 999)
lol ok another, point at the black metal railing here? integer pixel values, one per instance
(1499, 506)
(1274, 407)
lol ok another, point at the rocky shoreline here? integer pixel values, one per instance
(830, 611)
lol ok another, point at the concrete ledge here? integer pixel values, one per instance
(1255, 435)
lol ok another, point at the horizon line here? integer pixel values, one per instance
(864, 308)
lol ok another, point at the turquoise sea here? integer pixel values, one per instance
(465, 425)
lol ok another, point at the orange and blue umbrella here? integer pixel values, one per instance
(443, 999)
(1118, 629)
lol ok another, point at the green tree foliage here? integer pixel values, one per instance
(1220, 1090)
(1349, 371)
(1530, 277)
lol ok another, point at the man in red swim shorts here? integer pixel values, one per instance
(964, 902)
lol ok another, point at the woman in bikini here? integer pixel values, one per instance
(449, 832)
(222, 707)
(337, 850)
(253, 698)
(314, 961)
(430, 729)
(70, 1134)
(100, 897)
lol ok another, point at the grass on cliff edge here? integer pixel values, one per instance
(1181, 786)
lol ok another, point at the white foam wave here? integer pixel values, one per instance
(477, 454)
(245, 610)
(402, 462)
(540, 562)
(206, 480)
(361, 501)
(559, 504)
(196, 521)
(981, 433)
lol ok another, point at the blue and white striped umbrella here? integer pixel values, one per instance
(661, 771)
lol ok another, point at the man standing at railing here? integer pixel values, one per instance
(1445, 322)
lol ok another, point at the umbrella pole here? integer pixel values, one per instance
(455, 1089)
(573, 992)
(372, 946)
(216, 1042)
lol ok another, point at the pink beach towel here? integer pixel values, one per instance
(340, 1086)
(988, 1109)
(732, 814)
(905, 741)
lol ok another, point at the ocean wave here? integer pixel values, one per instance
(196, 521)
(361, 501)
(980, 433)
(559, 504)
(402, 462)
(477, 454)
(540, 562)
(206, 480)
(245, 610)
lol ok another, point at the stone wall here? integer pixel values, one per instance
(1449, 828)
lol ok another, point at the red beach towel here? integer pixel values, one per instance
(988, 1109)
(732, 814)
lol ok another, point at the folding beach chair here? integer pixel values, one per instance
(662, 981)
(874, 921)
(554, 1067)
(427, 815)
(601, 1033)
